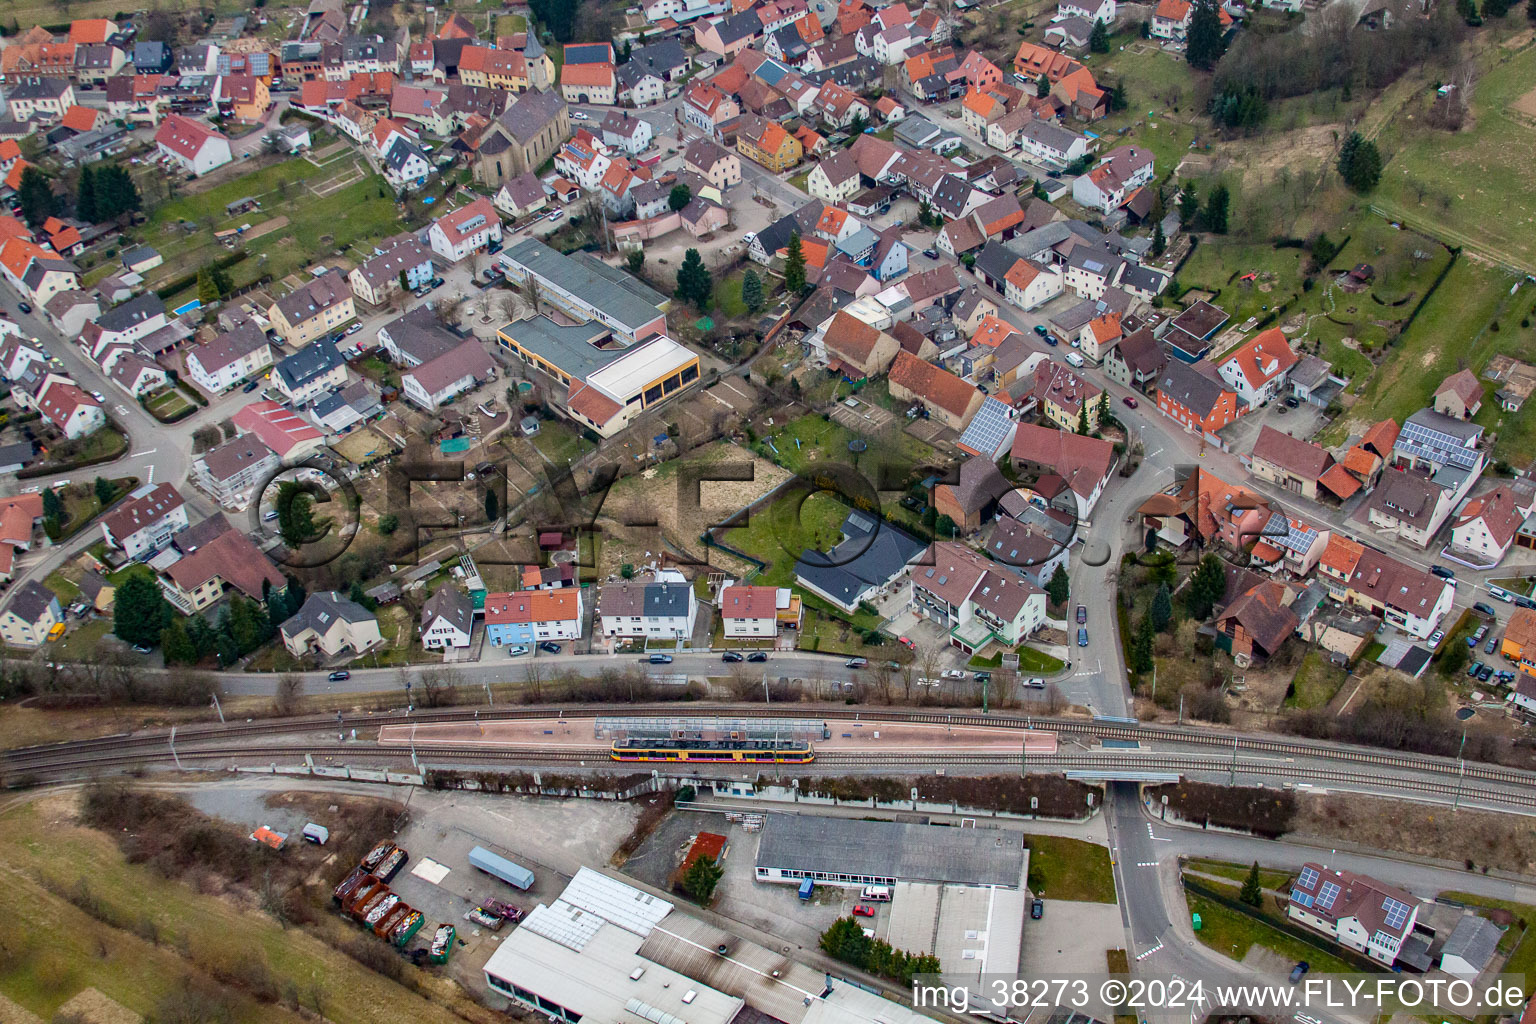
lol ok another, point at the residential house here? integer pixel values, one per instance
(707, 108)
(868, 559)
(1459, 396)
(280, 429)
(1407, 597)
(1411, 506)
(313, 309)
(1519, 646)
(144, 522)
(216, 558)
(971, 499)
(1257, 623)
(836, 178)
(329, 624)
(1487, 525)
(1257, 369)
(69, 409)
(527, 617)
(447, 619)
(192, 145)
(136, 374)
(661, 609)
(767, 143)
(31, 616)
(589, 83)
(1289, 462)
(1204, 509)
(860, 349)
(720, 167)
(1189, 335)
(1065, 397)
(1197, 398)
(245, 96)
(943, 395)
(465, 231)
(404, 266)
(727, 36)
(1135, 360)
(1354, 910)
(449, 375)
(1118, 175)
(405, 164)
(521, 196)
(757, 612)
(232, 471)
(310, 372)
(1432, 442)
(1050, 144)
(623, 131)
(1084, 463)
(977, 601)
(44, 99)
(229, 358)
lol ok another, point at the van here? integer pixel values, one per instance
(876, 894)
(1075, 359)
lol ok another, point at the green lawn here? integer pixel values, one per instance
(799, 180)
(1375, 650)
(1232, 934)
(780, 533)
(168, 404)
(560, 442)
(506, 24)
(728, 302)
(1031, 660)
(1070, 869)
(1475, 185)
(80, 643)
(1317, 680)
(1268, 877)
(823, 441)
(1159, 88)
(61, 586)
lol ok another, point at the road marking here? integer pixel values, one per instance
(1142, 956)
(122, 410)
(1146, 864)
(140, 455)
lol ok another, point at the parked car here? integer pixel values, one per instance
(1442, 572)
(1299, 971)
(556, 215)
(339, 677)
(1050, 340)
(1485, 609)
(355, 328)
(758, 656)
(856, 663)
(251, 385)
(1130, 402)
(1037, 909)
(1485, 673)
(1435, 638)
(98, 396)
(1493, 642)
(952, 673)
(982, 677)
(730, 656)
(862, 911)
(1474, 668)
(1040, 330)
(906, 642)
(932, 254)
(1082, 638)
(24, 307)
(1292, 401)
(660, 659)
(550, 647)
(578, 115)
(518, 650)
(1082, 614)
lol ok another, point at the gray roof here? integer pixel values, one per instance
(662, 57)
(314, 296)
(745, 25)
(531, 114)
(322, 609)
(1051, 136)
(1192, 389)
(625, 299)
(400, 152)
(135, 311)
(569, 347)
(359, 395)
(894, 850)
(39, 89)
(1474, 940)
(18, 454)
(30, 600)
(408, 254)
(667, 600)
(452, 604)
(307, 363)
(1142, 278)
(871, 554)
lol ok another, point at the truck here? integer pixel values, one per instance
(498, 866)
(807, 889)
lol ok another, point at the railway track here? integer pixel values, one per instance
(136, 748)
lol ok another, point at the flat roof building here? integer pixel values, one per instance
(586, 288)
(844, 852)
(972, 929)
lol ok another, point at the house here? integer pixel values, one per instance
(229, 358)
(707, 108)
(729, 35)
(73, 412)
(1487, 525)
(1459, 396)
(1407, 597)
(757, 612)
(623, 131)
(943, 395)
(1135, 360)
(1111, 184)
(860, 349)
(767, 143)
(447, 619)
(661, 608)
(835, 179)
(280, 429)
(1354, 910)
(1257, 623)
(144, 523)
(215, 558)
(1289, 462)
(448, 375)
(1257, 369)
(589, 83)
(192, 145)
(970, 501)
(977, 601)
(1196, 397)
(870, 556)
(404, 266)
(1410, 506)
(1049, 143)
(1189, 334)
(44, 99)
(1434, 443)
(313, 309)
(309, 372)
(1205, 509)
(720, 167)
(329, 624)
(246, 96)
(1084, 463)
(1519, 646)
(31, 616)
(137, 375)
(405, 164)
(1171, 19)
(532, 616)
(465, 231)
(1066, 398)
(231, 472)
(1471, 947)
(521, 196)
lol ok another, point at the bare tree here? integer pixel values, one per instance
(290, 689)
(406, 679)
(928, 657)
(908, 673)
(440, 687)
(534, 679)
(879, 676)
(1055, 700)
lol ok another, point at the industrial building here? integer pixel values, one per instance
(608, 953)
(844, 852)
(974, 930)
(585, 288)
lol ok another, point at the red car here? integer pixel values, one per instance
(1129, 401)
(862, 911)
(906, 642)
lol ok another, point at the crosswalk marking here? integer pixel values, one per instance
(1142, 956)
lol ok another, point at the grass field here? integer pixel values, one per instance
(506, 24)
(789, 526)
(1268, 878)
(167, 404)
(1160, 91)
(57, 950)
(1317, 680)
(1070, 869)
(1232, 934)
(80, 643)
(1475, 185)
(822, 442)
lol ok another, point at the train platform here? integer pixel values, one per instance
(567, 734)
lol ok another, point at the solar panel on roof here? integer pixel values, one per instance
(987, 429)
(1327, 894)
(1308, 878)
(1397, 912)
(1303, 898)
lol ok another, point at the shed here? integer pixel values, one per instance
(317, 834)
(1470, 948)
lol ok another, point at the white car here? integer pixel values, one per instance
(577, 115)
(98, 396)
(1435, 638)
(513, 652)
(952, 673)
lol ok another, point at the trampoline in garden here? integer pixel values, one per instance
(524, 386)
(857, 445)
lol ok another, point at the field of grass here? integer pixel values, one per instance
(506, 24)
(1268, 878)
(58, 949)
(791, 525)
(823, 441)
(80, 643)
(1070, 869)
(560, 442)
(1232, 934)
(1317, 680)
(1160, 91)
(1473, 186)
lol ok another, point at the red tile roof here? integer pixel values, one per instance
(748, 603)
(933, 385)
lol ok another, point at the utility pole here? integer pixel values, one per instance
(217, 708)
(1232, 778)
(174, 757)
(1461, 775)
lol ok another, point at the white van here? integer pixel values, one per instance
(876, 894)
(1075, 359)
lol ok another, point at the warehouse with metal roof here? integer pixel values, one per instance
(844, 852)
